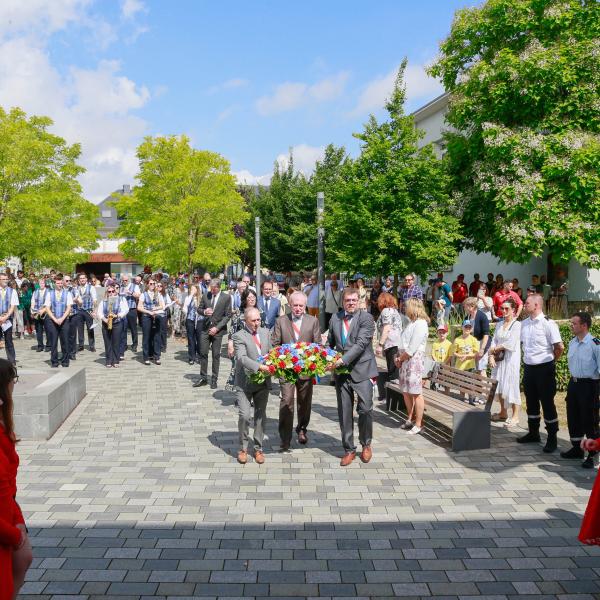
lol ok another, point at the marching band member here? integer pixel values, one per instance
(162, 316)
(9, 300)
(58, 308)
(113, 310)
(131, 293)
(86, 299)
(38, 314)
(149, 306)
(73, 317)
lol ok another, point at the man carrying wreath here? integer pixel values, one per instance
(249, 343)
(351, 333)
(292, 329)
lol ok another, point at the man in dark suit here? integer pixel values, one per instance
(268, 305)
(351, 333)
(250, 342)
(289, 329)
(215, 307)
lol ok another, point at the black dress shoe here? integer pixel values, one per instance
(284, 447)
(213, 385)
(80, 349)
(200, 383)
(574, 452)
(92, 349)
(39, 349)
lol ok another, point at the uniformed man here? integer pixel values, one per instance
(9, 300)
(38, 314)
(542, 347)
(583, 391)
(58, 307)
(131, 292)
(87, 300)
(73, 316)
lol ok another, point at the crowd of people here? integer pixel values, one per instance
(361, 324)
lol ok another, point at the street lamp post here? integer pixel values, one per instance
(257, 252)
(321, 258)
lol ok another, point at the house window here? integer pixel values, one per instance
(106, 214)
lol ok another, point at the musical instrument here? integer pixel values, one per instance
(111, 314)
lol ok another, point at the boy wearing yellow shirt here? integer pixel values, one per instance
(441, 351)
(465, 348)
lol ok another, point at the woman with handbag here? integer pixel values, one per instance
(505, 360)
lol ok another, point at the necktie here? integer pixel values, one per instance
(212, 302)
(257, 341)
(267, 305)
(296, 323)
(346, 328)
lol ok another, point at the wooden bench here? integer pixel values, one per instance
(471, 429)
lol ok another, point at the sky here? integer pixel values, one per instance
(249, 80)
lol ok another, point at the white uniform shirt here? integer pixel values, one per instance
(122, 310)
(584, 357)
(538, 337)
(52, 293)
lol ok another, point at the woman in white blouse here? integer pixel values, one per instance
(411, 361)
(507, 344)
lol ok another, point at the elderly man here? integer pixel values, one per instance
(290, 329)
(250, 342)
(351, 333)
(215, 307)
(542, 347)
(236, 298)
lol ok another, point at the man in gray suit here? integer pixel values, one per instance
(351, 333)
(249, 343)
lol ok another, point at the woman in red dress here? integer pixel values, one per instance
(15, 549)
(590, 526)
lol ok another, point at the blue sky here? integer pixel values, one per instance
(246, 79)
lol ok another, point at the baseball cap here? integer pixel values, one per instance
(442, 328)
(467, 323)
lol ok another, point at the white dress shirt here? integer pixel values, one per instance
(538, 337)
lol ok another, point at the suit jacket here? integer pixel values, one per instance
(283, 332)
(246, 358)
(273, 312)
(357, 353)
(221, 313)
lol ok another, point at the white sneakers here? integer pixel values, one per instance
(414, 430)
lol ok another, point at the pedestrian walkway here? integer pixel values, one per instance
(139, 495)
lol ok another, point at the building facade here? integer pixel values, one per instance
(107, 258)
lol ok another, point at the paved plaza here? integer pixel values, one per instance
(139, 495)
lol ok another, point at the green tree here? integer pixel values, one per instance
(41, 203)
(524, 155)
(288, 212)
(389, 211)
(184, 210)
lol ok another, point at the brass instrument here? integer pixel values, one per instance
(111, 315)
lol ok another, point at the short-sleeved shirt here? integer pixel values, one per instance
(481, 325)
(538, 337)
(14, 296)
(390, 316)
(406, 293)
(468, 345)
(500, 296)
(584, 357)
(441, 350)
(460, 292)
(51, 293)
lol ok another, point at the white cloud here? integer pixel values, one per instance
(291, 95)
(418, 84)
(130, 8)
(305, 158)
(229, 84)
(18, 17)
(91, 106)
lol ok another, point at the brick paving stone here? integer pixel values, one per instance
(139, 496)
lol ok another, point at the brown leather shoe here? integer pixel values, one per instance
(366, 454)
(347, 459)
(302, 438)
(259, 457)
(242, 457)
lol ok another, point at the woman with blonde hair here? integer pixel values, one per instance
(190, 310)
(411, 362)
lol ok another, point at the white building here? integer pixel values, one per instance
(584, 283)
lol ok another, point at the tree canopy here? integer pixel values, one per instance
(524, 154)
(184, 210)
(389, 210)
(47, 220)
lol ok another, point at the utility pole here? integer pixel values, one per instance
(321, 258)
(257, 254)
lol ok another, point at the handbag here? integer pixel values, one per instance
(499, 356)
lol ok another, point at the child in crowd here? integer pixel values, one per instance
(464, 349)
(441, 350)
